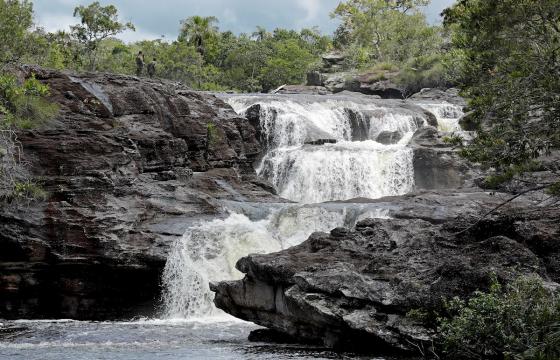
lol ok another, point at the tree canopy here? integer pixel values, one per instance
(97, 24)
(394, 31)
(506, 60)
(16, 19)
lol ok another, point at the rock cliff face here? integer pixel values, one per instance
(353, 288)
(127, 164)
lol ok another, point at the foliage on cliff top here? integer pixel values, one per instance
(24, 106)
(202, 56)
(97, 23)
(374, 32)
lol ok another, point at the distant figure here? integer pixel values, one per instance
(152, 68)
(139, 63)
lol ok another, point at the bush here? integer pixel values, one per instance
(520, 321)
(24, 106)
(21, 107)
(423, 72)
(28, 191)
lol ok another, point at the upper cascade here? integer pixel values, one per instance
(326, 148)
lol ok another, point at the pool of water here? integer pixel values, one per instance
(144, 340)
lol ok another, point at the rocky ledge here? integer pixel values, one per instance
(354, 289)
(127, 164)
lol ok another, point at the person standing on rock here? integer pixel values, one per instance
(139, 63)
(152, 68)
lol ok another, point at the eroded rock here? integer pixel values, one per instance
(128, 165)
(353, 289)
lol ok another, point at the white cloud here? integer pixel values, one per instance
(311, 7)
(54, 22)
(229, 16)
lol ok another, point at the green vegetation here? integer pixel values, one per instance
(16, 41)
(21, 107)
(97, 23)
(520, 321)
(213, 135)
(375, 32)
(506, 59)
(24, 106)
(202, 56)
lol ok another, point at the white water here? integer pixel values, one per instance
(447, 114)
(208, 252)
(308, 174)
(346, 170)
(341, 171)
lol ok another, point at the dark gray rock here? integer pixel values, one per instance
(450, 95)
(389, 137)
(353, 289)
(351, 82)
(304, 90)
(127, 164)
(314, 78)
(437, 165)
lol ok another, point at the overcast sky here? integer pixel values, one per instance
(161, 17)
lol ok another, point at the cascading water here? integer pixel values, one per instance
(208, 252)
(317, 149)
(447, 114)
(340, 171)
(308, 173)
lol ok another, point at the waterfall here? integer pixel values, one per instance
(357, 165)
(346, 170)
(209, 251)
(447, 114)
(318, 149)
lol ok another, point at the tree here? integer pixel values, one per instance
(260, 33)
(390, 30)
(198, 30)
(97, 23)
(508, 64)
(16, 18)
(288, 64)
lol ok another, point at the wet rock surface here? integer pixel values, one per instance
(128, 164)
(353, 288)
(437, 165)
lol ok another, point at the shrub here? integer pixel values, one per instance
(423, 72)
(24, 106)
(213, 134)
(28, 190)
(21, 107)
(520, 321)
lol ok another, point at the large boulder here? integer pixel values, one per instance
(315, 78)
(354, 289)
(127, 165)
(352, 82)
(451, 96)
(437, 165)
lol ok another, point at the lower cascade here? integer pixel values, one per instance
(208, 252)
(318, 149)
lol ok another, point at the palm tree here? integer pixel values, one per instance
(196, 30)
(260, 34)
